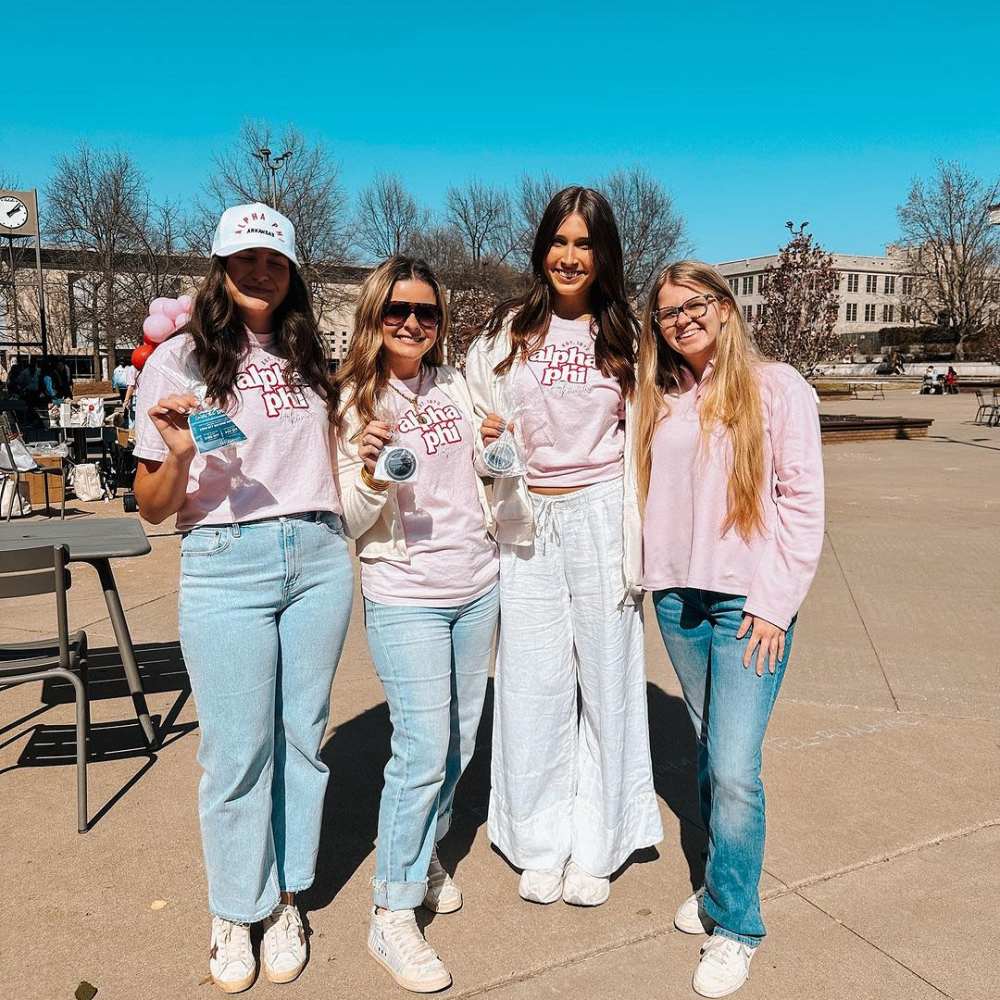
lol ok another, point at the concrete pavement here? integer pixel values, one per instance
(882, 770)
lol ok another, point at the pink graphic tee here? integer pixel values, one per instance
(453, 560)
(572, 421)
(285, 466)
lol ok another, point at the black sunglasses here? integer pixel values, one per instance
(396, 313)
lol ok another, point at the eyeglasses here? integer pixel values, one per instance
(694, 308)
(397, 313)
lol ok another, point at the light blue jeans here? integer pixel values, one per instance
(264, 608)
(730, 707)
(433, 664)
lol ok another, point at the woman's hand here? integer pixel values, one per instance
(374, 438)
(767, 639)
(170, 418)
(492, 427)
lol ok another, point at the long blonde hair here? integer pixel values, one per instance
(362, 376)
(731, 398)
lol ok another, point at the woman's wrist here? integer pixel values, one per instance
(371, 482)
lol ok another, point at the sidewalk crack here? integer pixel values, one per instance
(861, 618)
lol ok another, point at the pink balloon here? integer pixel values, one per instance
(157, 328)
(181, 320)
(172, 308)
(157, 306)
(187, 302)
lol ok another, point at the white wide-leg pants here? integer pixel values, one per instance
(572, 779)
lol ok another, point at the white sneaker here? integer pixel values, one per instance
(541, 885)
(691, 917)
(231, 961)
(283, 949)
(395, 942)
(443, 896)
(581, 889)
(724, 966)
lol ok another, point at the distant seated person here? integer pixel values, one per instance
(50, 385)
(932, 384)
(951, 381)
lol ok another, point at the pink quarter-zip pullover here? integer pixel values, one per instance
(683, 544)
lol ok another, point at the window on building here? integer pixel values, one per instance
(852, 282)
(734, 284)
(905, 313)
(748, 284)
(852, 309)
(871, 283)
(890, 284)
(869, 312)
(761, 282)
(748, 313)
(887, 312)
(907, 284)
(761, 311)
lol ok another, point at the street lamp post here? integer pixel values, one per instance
(272, 167)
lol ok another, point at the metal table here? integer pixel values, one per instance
(96, 541)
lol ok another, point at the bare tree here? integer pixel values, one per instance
(97, 203)
(652, 231)
(482, 215)
(800, 304)
(444, 249)
(387, 218)
(309, 192)
(953, 250)
(533, 195)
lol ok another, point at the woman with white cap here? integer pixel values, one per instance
(266, 579)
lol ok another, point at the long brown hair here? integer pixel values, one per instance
(363, 373)
(616, 326)
(220, 338)
(731, 398)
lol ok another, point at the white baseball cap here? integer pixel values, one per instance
(246, 227)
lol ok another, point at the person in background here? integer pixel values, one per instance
(951, 381)
(118, 381)
(730, 476)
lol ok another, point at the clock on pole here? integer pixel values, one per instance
(18, 221)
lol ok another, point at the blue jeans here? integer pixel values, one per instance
(264, 608)
(433, 664)
(730, 707)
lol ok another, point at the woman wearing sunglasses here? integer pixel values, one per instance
(429, 578)
(730, 473)
(266, 581)
(572, 791)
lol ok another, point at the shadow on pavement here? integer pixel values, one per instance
(162, 670)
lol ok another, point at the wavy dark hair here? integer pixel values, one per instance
(220, 339)
(530, 313)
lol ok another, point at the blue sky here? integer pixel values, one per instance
(749, 114)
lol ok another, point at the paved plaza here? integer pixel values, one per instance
(882, 769)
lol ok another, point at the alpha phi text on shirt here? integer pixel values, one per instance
(276, 394)
(437, 424)
(568, 363)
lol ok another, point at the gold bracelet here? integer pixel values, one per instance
(371, 482)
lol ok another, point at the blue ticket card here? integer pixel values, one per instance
(212, 429)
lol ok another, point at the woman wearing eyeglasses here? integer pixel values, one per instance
(429, 578)
(730, 475)
(572, 792)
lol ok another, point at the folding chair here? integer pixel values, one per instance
(985, 410)
(42, 570)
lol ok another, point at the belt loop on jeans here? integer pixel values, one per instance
(235, 530)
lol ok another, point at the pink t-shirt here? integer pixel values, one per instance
(689, 480)
(284, 467)
(572, 421)
(453, 560)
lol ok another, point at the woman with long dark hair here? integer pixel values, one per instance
(266, 580)
(429, 579)
(572, 791)
(730, 474)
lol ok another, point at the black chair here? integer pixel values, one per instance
(42, 570)
(10, 468)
